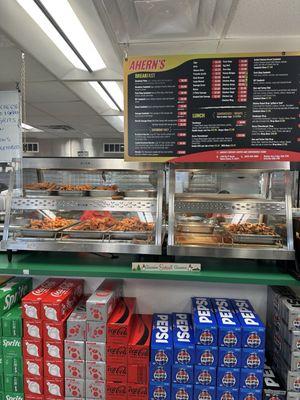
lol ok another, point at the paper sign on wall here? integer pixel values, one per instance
(10, 126)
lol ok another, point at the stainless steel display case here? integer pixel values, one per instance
(258, 205)
(106, 243)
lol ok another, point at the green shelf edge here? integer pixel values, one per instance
(89, 265)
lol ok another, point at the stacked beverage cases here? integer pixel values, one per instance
(217, 352)
(45, 311)
(283, 338)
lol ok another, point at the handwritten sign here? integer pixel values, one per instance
(10, 126)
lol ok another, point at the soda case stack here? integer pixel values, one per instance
(117, 340)
(100, 305)
(11, 364)
(273, 388)
(75, 365)
(283, 339)
(45, 311)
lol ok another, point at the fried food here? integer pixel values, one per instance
(132, 224)
(95, 224)
(250, 229)
(40, 186)
(70, 188)
(49, 224)
(108, 187)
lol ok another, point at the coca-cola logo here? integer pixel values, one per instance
(40, 290)
(122, 331)
(138, 391)
(116, 389)
(117, 351)
(120, 371)
(139, 353)
(59, 292)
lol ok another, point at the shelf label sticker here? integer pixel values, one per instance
(165, 266)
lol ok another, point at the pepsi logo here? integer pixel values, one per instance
(183, 357)
(160, 374)
(253, 340)
(230, 359)
(207, 358)
(161, 357)
(227, 396)
(297, 384)
(204, 378)
(250, 396)
(182, 376)
(298, 365)
(159, 393)
(296, 323)
(253, 361)
(182, 394)
(204, 395)
(206, 337)
(298, 344)
(251, 381)
(230, 339)
(228, 379)
(274, 398)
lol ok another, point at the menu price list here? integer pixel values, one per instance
(215, 104)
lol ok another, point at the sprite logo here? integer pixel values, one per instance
(182, 376)
(204, 395)
(12, 298)
(228, 379)
(16, 397)
(182, 394)
(11, 343)
(160, 393)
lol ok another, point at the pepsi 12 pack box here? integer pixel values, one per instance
(183, 374)
(253, 358)
(159, 391)
(253, 329)
(230, 332)
(204, 392)
(228, 377)
(251, 378)
(182, 392)
(160, 373)
(206, 355)
(162, 339)
(230, 357)
(227, 394)
(183, 339)
(250, 394)
(205, 376)
(241, 305)
(204, 321)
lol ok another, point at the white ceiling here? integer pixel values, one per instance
(58, 94)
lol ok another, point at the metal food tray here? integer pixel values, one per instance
(77, 234)
(194, 227)
(72, 193)
(102, 193)
(129, 234)
(38, 192)
(39, 233)
(254, 239)
(140, 193)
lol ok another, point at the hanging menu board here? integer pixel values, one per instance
(212, 108)
(10, 126)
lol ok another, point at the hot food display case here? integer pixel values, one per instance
(236, 213)
(86, 205)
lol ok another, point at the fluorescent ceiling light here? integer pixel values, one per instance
(38, 16)
(117, 121)
(67, 20)
(31, 128)
(116, 93)
(101, 92)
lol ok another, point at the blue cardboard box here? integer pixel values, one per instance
(228, 377)
(204, 392)
(221, 304)
(253, 329)
(201, 303)
(253, 358)
(248, 394)
(241, 305)
(207, 355)
(251, 378)
(159, 391)
(183, 374)
(205, 327)
(160, 373)
(162, 339)
(230, 331)
(230, 357)
(205, 376)
(182, 392)
(227, 394)
(183, 339)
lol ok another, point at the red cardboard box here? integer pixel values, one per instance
(138, 374)
(119, 323)
(116, 391)
(57, 304)
(33, 386)
(55, 330)
(116, 373)
(32, 348)
(95, 370)
(53, 350)
(31, 303)
(74, 349)
(54, 369)
(116, 353)
(34, 397)
(75, 369)
(94, 389)
(33, 367)
(75, 388)
(139, 341)
(55, 388)
(137, 392)
(32, 329)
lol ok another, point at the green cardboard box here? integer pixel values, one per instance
(1, 384)
(13, 396)
(1, 363)
(13, 384)
(13, 365)
(11, 347)
(12, 292)
(12, 322)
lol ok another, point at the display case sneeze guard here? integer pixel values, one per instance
(139, 195)
(237, 212)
